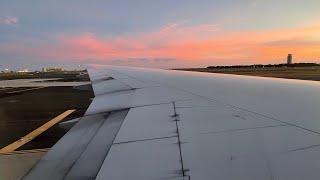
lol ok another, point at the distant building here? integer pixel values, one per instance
(52, 69)
(289, 59)
(23, 71)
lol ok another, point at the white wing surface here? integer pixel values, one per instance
(159, 124)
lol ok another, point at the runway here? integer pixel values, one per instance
(35, 133)
(25, 107)
(48, 82)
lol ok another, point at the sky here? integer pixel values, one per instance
(153, 33)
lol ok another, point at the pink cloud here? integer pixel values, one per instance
(9, 20)
(253, 4)
(189, 45)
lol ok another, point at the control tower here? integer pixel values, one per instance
(289, 59)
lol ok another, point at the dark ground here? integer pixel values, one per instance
(21, 113)
(302, 73)
(67, 75)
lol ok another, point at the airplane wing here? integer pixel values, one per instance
(159, 124)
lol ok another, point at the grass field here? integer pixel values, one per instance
(303, 73)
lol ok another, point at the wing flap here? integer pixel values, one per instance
(148, 122)
(109, 86)
(81, 142)
(146, 146)
(90, 161)
(156, 159)
(110, 102)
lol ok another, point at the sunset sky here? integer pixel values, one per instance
(157, 33)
